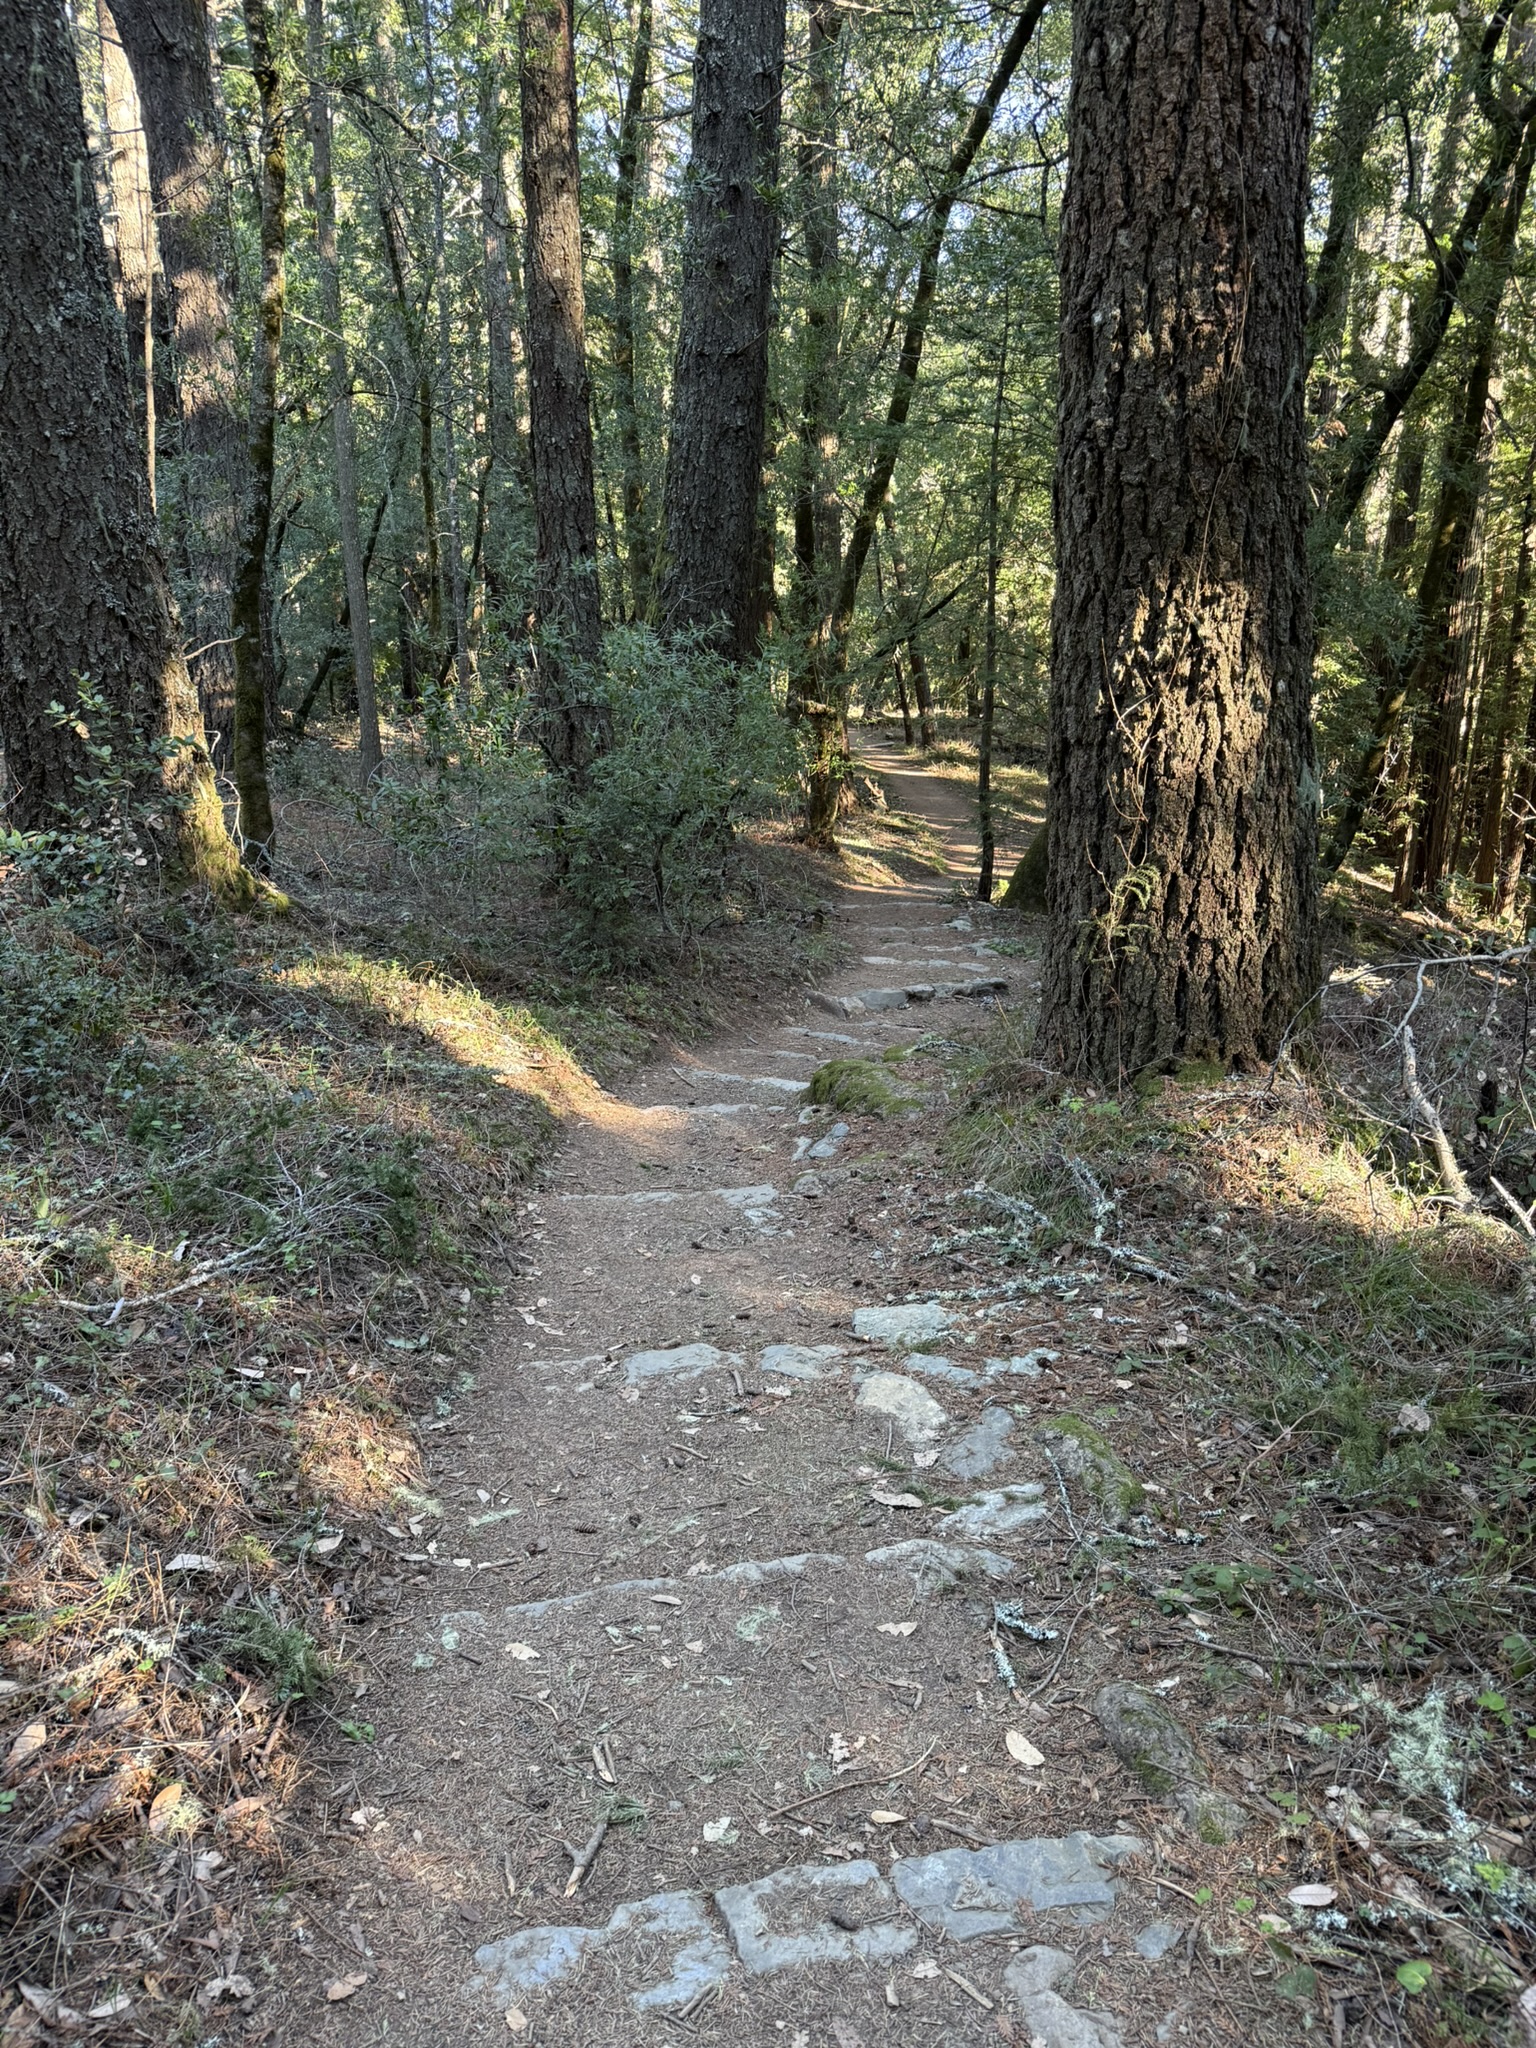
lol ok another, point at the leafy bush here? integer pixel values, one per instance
(697, 748)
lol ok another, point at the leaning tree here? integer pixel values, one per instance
(1184, 797)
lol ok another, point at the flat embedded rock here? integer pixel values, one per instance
(911, 1407)
(902, 1325)
(882, 998)
(681, 1362)
(968, 1893)
(1049, 2021)
(1006, 1511)
(785, 1919)
(798, 1361)
(935, 1367)
(664, 1950)
(1025, 1366)
(1157, 1939)
(936, 1567)
(981, 1448)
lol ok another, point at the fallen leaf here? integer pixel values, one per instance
(895, 1500)
(895, 1628)
(1022, 1750)
(665, 1600)
(1312, 1895)
(27, 1744)
(238, 1986)
(343, 1987)
(517, 2020)
(325, 1545)
(1414, 1416)
(696, 1648)
(523, 1652)
(925, 1966)
(111, 2007)
(719, 1830)
(192, 1561)
(886, 1820)
(924, 1459)
(163, 1808)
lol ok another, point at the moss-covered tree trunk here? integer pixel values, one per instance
(84, 599)
(1183, 804)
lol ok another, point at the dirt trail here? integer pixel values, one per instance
(704, 1562)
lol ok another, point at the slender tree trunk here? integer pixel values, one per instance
(826, 683)
(1183, 805)
(458, 595)
(168, 47)
(988, 832)
(131, 221)
(84, 596)
(921, 688)
(817, 511)
(249, 750)
(908, 736)
(637, 533)
(1359, 110)
(370, 755)
(720, 374)
(572, 725)
(1517, 815)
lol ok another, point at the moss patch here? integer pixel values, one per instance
(857, 1087)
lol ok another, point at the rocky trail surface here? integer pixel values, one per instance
(733, 1697)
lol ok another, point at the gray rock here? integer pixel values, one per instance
(902, 1325)
(1008, 1511)
(840, 1006)
(1049, 2022)
(993, 985)
(933, 1367)
(786, 1918)
(758, 1197)
(982, 1448)
(937, 1567)
(911, 1407)
(798, 1361)
(1026, 1367)
(667, 1941)
(973, 1892)
(1155, 1749)
(829, 1146)
(1083, 1452)
(810, 1185)
(1156, 1939)
(681, 1362)
(920, 992)
(882, 998)
(753, 1570)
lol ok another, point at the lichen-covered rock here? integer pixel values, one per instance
(902, 1325)
(1083, 1452)
(982, 1448)
(1156, 1750)
(1007, 1511)
(937, 1567)
(911, 1407)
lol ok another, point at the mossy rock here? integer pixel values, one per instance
(859, 1088)
(1026, 885)
(1084, 1452)
(1143, 1732)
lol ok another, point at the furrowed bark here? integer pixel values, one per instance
(639, 550)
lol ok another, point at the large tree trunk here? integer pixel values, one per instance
(83, 589)
(817, 511)
(720, 376)
(168, 48)
(637, 531)
(826, 701)
(343, 439)
(130, 226)
(572, 727)
(1183, 807)
(247, 600)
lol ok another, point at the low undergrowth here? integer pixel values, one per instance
(1339, 1419)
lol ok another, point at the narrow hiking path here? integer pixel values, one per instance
(712, 1554)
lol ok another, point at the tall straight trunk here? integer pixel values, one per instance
(248, 593)
(720, 373)
(826, 703)
(1419, 672)
(1520, 777)
(1431, 317)
(131, 218)
(898, 676)
(1183, 811)
(168, 47)
(988, 833)
(817, 511)
(508, 458)
(921, 688)
(355, 577)
(572, 725)
(638, 546)
(83, 588)
(458, 594)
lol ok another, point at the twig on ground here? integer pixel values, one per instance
(582, 1859)
(854, 1785)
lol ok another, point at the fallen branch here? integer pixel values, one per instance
(583, 1859)
(854, 1785)
(23, 1863)
(1427, 1114)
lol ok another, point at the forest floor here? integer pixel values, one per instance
(727, 1656)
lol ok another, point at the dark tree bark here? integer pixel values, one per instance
(826, 700)
(168, 48)
(720, 375)
(921, 688)
(1183, 812)
(571, 726)
(1517, 778)
(988, 830)
(83, 589)
(248, 597)
(817, 511)
(637, 532)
